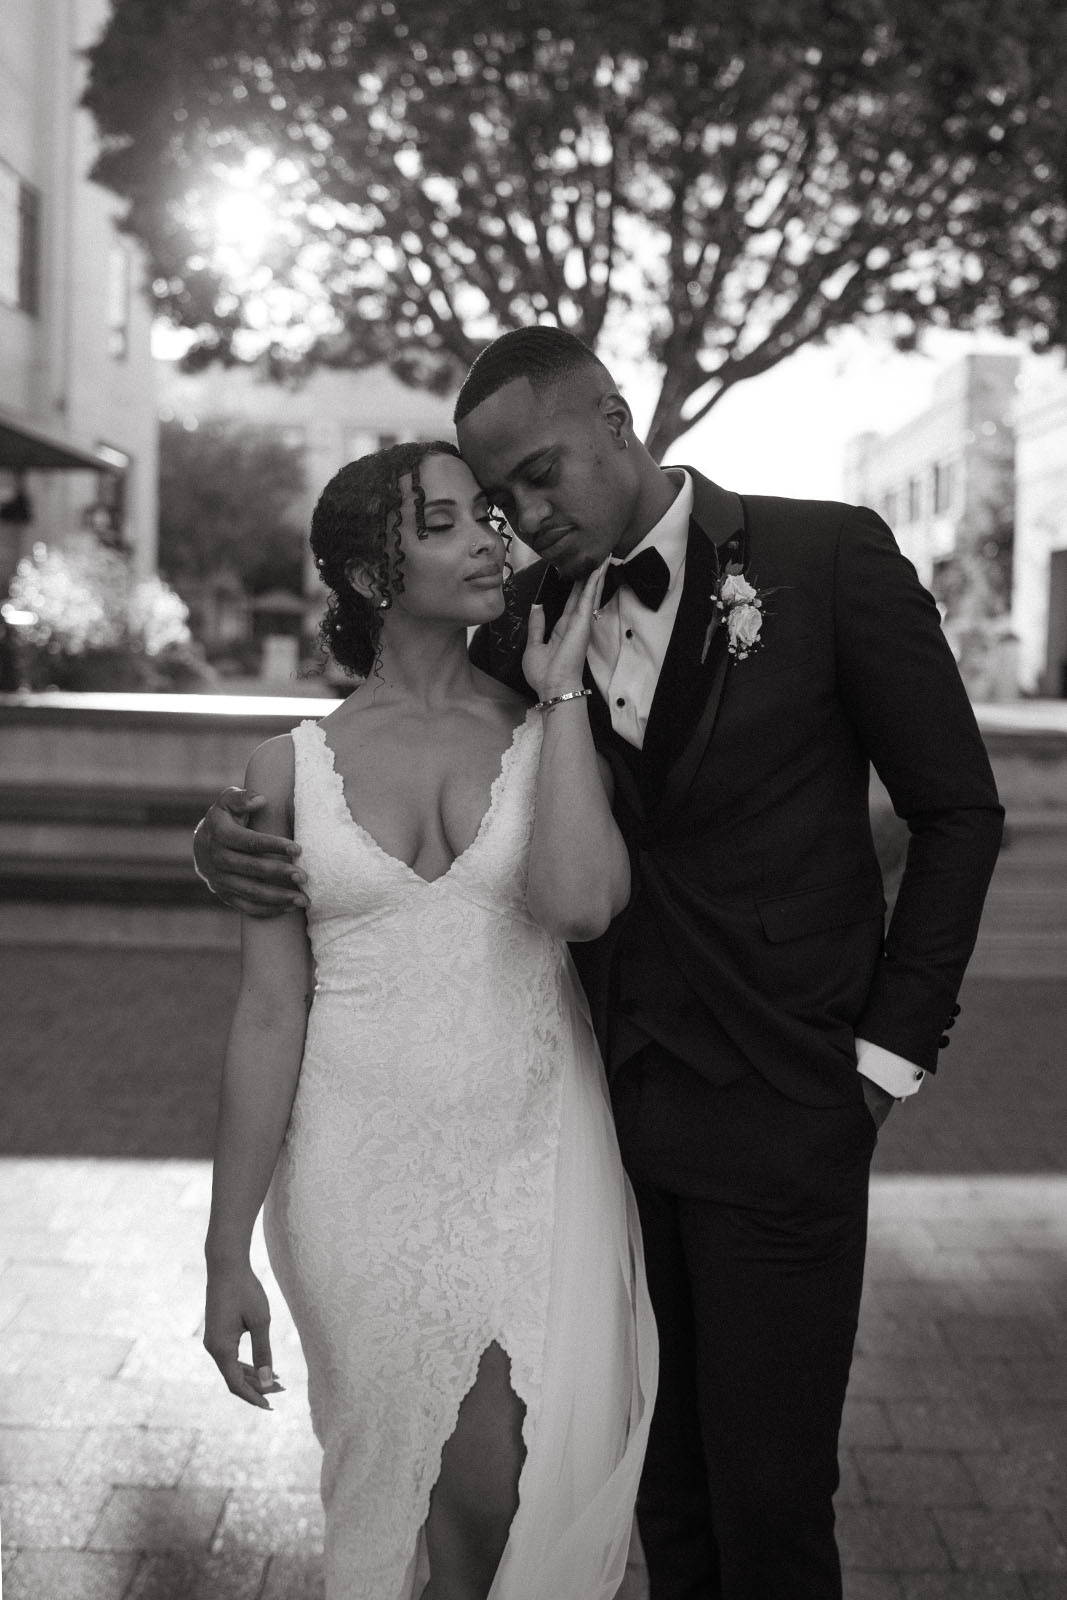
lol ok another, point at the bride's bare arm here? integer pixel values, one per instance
(258, 1083)
(579, 872)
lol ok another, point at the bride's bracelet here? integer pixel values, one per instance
(561, 699)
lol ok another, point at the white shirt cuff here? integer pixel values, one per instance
(890, 1072)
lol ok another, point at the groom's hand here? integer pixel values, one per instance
(879, 1101)
(252, 872)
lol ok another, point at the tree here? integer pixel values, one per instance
(974, 583)
(227, 497)
(973, 589)
(720, 182)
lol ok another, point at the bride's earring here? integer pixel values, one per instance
(384, 604)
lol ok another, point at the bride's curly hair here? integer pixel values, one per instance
(356, 523)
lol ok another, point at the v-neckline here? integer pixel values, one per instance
(403, 866)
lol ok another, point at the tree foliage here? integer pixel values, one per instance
(710, 186)
(227, 495)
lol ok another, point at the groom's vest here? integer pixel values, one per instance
(636, 987)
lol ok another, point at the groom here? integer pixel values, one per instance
(750, 658)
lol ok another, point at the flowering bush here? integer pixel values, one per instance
(98, 626)
(158, 616)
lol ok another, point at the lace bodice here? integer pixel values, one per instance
(352, 879)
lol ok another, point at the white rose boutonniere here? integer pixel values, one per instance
(743, 623)
(736, 590)
(742, 604)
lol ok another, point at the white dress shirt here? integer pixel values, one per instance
(629, 641)
(626, 652)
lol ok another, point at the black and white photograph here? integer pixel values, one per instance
(533, 800)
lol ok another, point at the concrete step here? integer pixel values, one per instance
(83, 861)
(96, 841)
(1033, 911)
(121, 805)
(1029, 877)
(1019, 955)
(1034, 849)
(128, 882)
(92, 924)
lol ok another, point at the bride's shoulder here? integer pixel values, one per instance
(270, 768)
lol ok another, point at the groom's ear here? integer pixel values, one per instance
(618, 417)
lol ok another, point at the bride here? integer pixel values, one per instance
(444, 1204)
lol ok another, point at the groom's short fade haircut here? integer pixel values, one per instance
(540, 354)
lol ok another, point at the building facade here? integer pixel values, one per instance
(77, 382)
(333, 416)
(945, 478)
(1039, 588)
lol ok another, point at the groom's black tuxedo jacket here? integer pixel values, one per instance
(754, 936)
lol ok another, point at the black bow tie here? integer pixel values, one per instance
(647, 575)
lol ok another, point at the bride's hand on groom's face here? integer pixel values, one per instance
(555, 665)
(251, 872)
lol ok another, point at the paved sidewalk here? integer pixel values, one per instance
(127, 1472)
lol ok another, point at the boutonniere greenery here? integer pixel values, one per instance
(741, 605)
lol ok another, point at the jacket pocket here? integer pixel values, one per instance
(836, 905)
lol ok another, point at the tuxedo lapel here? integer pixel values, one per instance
(682, 677)
(697, 671)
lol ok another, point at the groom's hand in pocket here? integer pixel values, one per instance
(249, 871)
(878, 1100)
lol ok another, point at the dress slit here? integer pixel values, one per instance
(487, 1443)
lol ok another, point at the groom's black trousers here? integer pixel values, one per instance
(754, 1215)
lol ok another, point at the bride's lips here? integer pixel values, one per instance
(489, 579)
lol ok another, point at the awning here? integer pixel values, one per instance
(27, 449)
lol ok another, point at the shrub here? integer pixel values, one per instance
(97, 626)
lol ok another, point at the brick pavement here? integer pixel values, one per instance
(128, 1473)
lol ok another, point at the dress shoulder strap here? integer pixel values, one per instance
(309, 750)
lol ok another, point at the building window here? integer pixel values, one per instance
(944, 486)
(9, 236)
(106, 517)
(889, 506)
(361, 442)
(915, 499)
(118, 301)
(20, 242)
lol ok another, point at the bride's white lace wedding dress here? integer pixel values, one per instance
(450, 1178)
